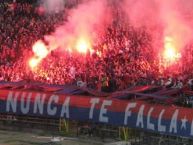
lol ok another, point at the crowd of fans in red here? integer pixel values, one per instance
(126, 56)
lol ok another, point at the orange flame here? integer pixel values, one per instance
(33, 63)
(40, 52)
(171, 53)
(83, 46)
(40, 49)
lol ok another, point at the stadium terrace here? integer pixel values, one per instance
(113, 63)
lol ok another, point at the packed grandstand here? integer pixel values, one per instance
(120, 60)
(123, 55)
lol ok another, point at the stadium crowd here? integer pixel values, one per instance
(123, 57)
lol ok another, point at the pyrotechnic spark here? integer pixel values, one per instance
(171, 53)
(83, 45)
(40, 49)
(33, 63)
(40, 52)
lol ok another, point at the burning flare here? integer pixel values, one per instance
(171, 53)
(33, 62)
(40, 52)
(83, 45)
(40, 49)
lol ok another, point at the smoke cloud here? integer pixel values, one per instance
(53, 6)
(84, 22)
(165, 18)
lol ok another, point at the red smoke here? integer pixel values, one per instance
(163, 18)
(84, 22)
(78, 34)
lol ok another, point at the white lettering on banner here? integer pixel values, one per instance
(173, 124)
(93, 102)
(53, 99)
(12, 102)
(184, 121)
(65, 108)
(161, 128)
(191, 133)
(140, 117)
(103, 111)
(149, 124)
(39, 103)
(22, 102)
(25, 104)
(128, 111)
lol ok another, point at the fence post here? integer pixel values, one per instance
(64, 126)
(123, 133)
